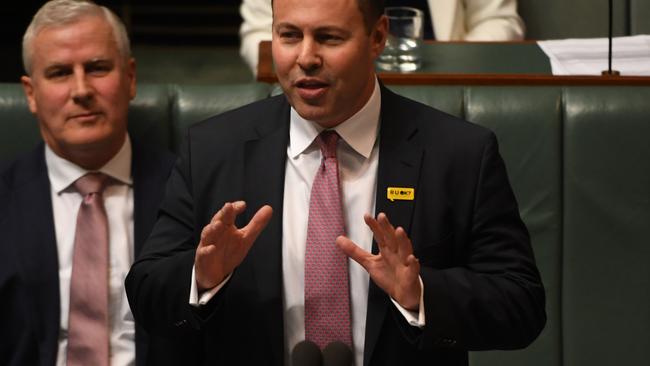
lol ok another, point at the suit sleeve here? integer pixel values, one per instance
(158, 284)
(495, 300)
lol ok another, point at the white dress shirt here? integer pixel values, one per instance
(118, 201)
(358, 156)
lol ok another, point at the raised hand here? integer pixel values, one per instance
(223, 246)
(395, 269)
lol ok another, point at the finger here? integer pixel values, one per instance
(403, 243)
(411, 260)
(388, 233)
(257, 224)
(353, 251)
(375, 228)
(210, 232)
(219, 215)
(231, 210)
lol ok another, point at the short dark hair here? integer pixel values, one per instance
(370, 9)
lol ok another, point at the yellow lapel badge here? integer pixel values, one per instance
(400, 194)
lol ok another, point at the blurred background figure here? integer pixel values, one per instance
(447, 20)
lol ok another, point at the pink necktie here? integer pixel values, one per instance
(88, 326)
(327, 297)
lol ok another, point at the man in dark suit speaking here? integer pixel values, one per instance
(265, 237)
(75, 211)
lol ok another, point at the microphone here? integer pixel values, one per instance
(337, 354)
(306, 353)
(609, 70)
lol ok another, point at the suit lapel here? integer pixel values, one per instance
(265, 159)
(35, 234)
(399, 166)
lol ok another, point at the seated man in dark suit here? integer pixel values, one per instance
(339, 212)
(76, 210)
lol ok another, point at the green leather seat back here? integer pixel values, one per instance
(19, 127)
(527, 122)
(553, 19)
(149, 115)
(606, 267)
(197, 102)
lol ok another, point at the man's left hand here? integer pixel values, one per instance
(395, 269)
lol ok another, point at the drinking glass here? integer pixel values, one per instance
(403, 46)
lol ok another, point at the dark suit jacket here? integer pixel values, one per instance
(29, 273)
(482, 288)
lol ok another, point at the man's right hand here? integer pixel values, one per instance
(223, 246)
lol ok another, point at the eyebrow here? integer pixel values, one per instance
(325, 28)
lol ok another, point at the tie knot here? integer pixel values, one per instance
(327, 141)
(91, 183)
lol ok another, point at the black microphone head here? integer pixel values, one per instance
(337, 354)
(306, 353)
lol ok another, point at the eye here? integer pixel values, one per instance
(57, 72)
(290, 35)
(99, 68)
(329, 38)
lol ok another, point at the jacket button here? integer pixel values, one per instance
(180, 323)
(448, 342)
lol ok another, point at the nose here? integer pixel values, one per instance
(309, 58)
(81, 90)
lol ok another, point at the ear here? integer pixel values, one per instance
(28, 88)
(378, 36)
(130, 74)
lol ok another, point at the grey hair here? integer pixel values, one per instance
(64, 12)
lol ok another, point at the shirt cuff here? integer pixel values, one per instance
(206, 296)
(414, 318)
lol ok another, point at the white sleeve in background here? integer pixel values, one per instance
(256, 26)
(476, 20)
(493, 20)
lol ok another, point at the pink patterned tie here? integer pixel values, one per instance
(327, 296)
(88, 326)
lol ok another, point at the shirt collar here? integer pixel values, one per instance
(63, 173)
(358, 131)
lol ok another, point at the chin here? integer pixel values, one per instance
(95, 137)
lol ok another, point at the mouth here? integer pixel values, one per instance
(310, 88)
(84, 117)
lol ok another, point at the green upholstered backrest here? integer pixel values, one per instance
(149, 118)
(18, 127)
(528, 122)
(606, 259)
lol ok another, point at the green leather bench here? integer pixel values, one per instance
(579, 162)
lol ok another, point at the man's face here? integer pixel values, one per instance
(324, 57)
(80, 87)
